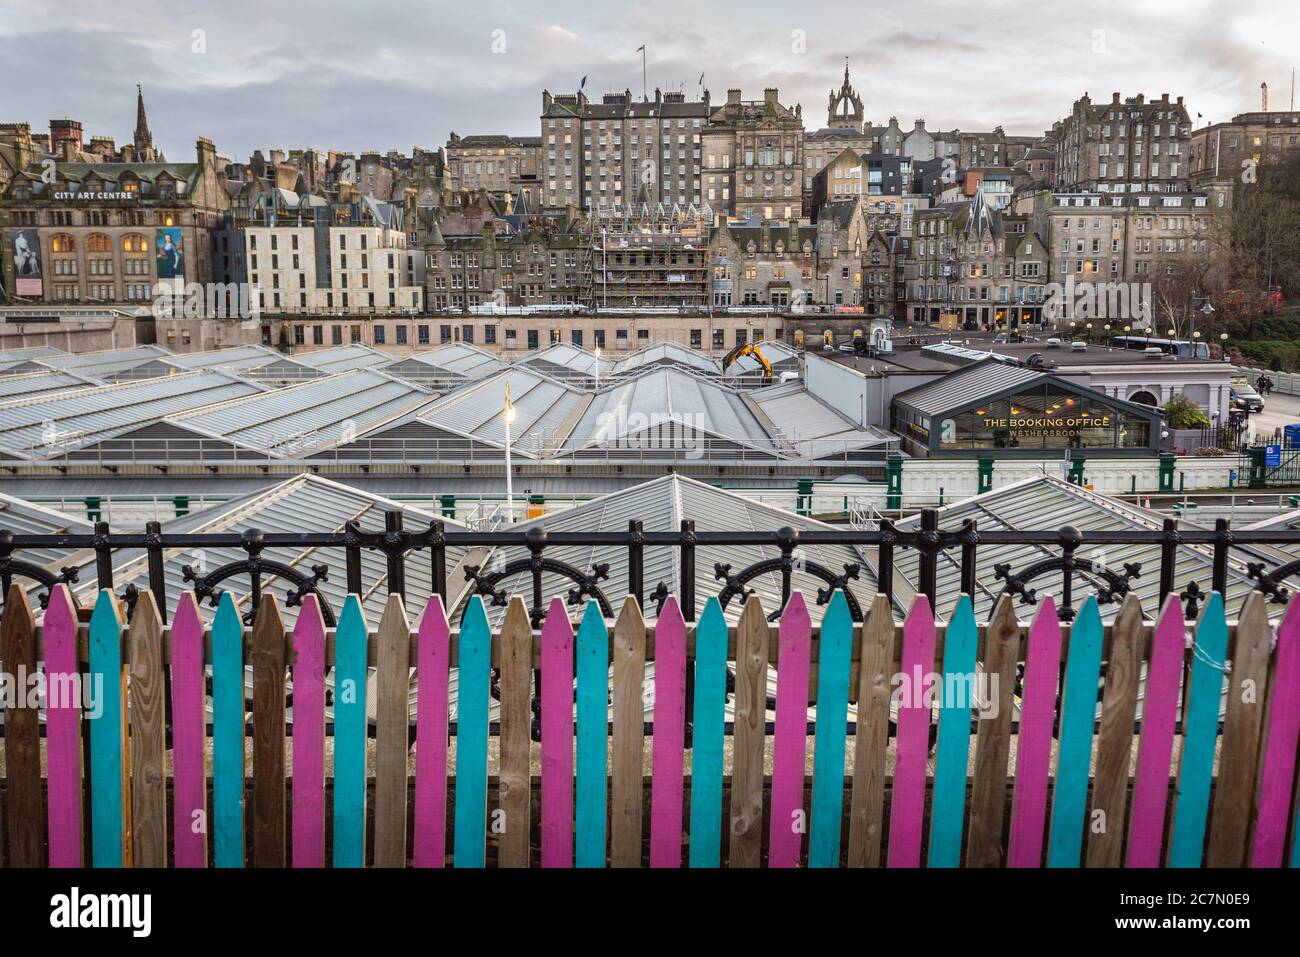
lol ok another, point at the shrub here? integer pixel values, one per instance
(1182, 413)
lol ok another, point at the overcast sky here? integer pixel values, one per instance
(383, 74)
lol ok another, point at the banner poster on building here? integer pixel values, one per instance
(27, 263)
(170, 254)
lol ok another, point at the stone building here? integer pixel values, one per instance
(1129, 145)
(539, 264)
(600, 154)
(308, 256)
(498, 163)
(1129, 238)
(1221, 152)
(763, 264)
(108, 233)
(975, 267)
(753, 154)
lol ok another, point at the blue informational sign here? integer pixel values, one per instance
(1272, 456)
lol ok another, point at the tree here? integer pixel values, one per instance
(1265, 227)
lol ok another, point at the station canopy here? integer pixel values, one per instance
(570, 363)
(59, 424)
(446, 367)
(288, 423)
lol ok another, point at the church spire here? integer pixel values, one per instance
(845, 107)
(143, 138)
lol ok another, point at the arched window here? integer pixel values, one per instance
(136, 258)
(99, 243)
(63, 243)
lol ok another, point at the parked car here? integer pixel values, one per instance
(1247, 399)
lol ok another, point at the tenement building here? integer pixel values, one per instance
(537, 265)
(1108, 237)
(1124, 146)
(498, 163)
(306, 255)
(600, 154)
(975, 267)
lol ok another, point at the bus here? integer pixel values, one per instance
(1175, 347)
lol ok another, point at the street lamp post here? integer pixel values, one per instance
(508, 415)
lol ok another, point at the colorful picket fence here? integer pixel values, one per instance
(936, 792)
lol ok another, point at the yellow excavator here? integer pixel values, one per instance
(748, 349)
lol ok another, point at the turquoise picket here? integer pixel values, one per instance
(593, 725)
(350, 732)
(948, 810)
(834, 653)
(472, 736)
(1200, 729)
(1295, 832)
(227, 735)
(709, 722)
(1078, 715)
(106, 810)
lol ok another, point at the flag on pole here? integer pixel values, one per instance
(641, 48)
(508, 410)
(701, 79)
(583, 84)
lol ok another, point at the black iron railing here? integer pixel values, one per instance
(1268, 557)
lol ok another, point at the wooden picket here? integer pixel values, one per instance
(949, 683)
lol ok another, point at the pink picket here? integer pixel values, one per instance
(433, 658)
(907, 814)
(667, 757)
(1037, 711)
(309, 736)
(790, 735)
(557, 737)
(189, 781)
(63, 730)
(1273, 801)
(1155, 750)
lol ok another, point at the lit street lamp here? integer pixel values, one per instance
(508, 415)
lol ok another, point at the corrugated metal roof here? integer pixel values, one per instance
(544, 409)
(25, 518)
(30, 384)
(564, 361)
(783, 357)
(667, 409)
(302, 503)
(104, 365)
(343, 358)
(448, 365)
(53, 425)
(318, 414)
(967, 385)
(811, 428)
(666, 353)
(238, 359)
